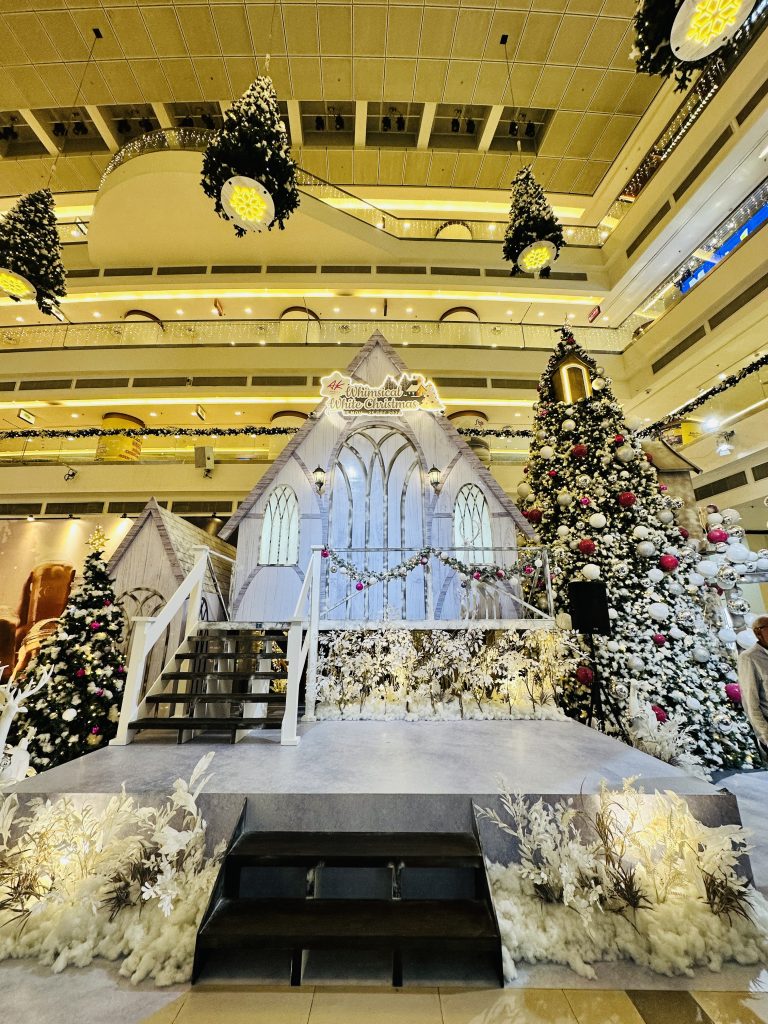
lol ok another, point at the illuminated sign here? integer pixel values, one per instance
(410, 392)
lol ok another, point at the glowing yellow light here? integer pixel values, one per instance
(248, 204)
(13, 284)
(536, 258)
(711, 19)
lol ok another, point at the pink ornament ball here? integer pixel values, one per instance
(661, 714)
(325, 553)
(585, 502)
(663, 487)
(107, 603)
(121, 669)
(500, 574)
(669, 563)
(80, 673)
(95, 626)
(627, 499)
(584, 674)
(587, 546)
(476, 575)
(717, 536)
(359, 585)
(733, 692)
(95, 730)
(528, 570)
(100, 692)
(659, 639)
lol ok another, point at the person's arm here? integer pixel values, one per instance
(750, 698)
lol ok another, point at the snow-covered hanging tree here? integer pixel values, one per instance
(247, 168)
(534, 237)
(30, 251)
(79, 709)
(595, 500)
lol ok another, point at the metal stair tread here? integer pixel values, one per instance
(224, 674)
(180, 697)
(363, 849)
(243, 923)
(179, 722)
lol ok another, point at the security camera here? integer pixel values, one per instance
(70, 474)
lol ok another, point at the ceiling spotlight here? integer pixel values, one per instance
(400, 123)
(530, 130)
(248, 310)
(123, 126)
(386, 123)
(179, 312)
(145, 124)
(208, 121)
(470, 126)
(319, 124)
(455, 124)
(59, 129)
(338, 123)
(514, 128)
(70, 474)
(186, 122)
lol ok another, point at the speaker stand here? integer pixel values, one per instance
(600, 700)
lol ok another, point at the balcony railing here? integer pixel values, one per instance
(121, 334)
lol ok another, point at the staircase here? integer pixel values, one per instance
(410, 901)
(229, 679)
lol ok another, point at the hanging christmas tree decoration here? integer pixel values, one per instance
(661, 637)
(677, 39)
(534, 237)
(247, 167)
(30, 252)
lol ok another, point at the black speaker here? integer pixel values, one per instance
(588, 603)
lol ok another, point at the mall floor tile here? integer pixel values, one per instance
(607, 1007)
(510, 1006)
(734, 1007)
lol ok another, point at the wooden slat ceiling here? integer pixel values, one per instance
(569, 57)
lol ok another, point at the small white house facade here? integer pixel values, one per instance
(395, 478)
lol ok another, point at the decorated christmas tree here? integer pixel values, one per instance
(79, 709)
(30, 251)
(534, 237)
(596, 501)
(247, 168)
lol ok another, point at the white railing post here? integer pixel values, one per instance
(134, 679)
(288, 734)
(195, 601)
(310, 697)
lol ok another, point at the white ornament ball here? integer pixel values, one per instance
(645, 549)
(597, 520)
(641, 533)
(707, 569)
(523, 489)
(665, 516)
(675, 588)
(569, 425)
(590, 571)
(563, 532)
(613, 614)
(762, 564)
(737, 553)
(625, 453)
(655, 575)
(727, 635)
(634, 663)
(676, 633)
(547, 452)
(69, 714)
(746, 639)
(701, 655)
(658, 611)
(714, 519)
(730, 516)
(696, 579)
(598, 384)
(613, 646)
(564, 499)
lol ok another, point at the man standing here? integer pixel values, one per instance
(753, 682)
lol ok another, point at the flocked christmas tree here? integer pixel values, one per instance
(78, 711)
(531, 221)
(30, 246)
(596, 501)
(252, 145)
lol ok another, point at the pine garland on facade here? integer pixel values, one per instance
(253, 143)
(595, 499)
(78, 711)
(30, 246)
(531, 220)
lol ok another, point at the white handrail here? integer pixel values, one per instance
(148, 630)
(298, 651)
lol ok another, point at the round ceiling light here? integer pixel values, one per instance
(248, 203)
(702, 26)
(15, 285)
(536, 257)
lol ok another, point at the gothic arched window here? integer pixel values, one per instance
(280, 532)
(472, 525)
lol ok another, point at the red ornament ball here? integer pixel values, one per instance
(80, 673)
(579, 451)
(661, 714)
(552, 472)
(107, 603)
(733, 692)
(476, 575)
(717, 536)
(627, 499)
(500, 574)
(659, 639)
(587, 546)
(533, 515)
(684, 533)
(359, 585)
(649, 457)
(669, 563)
(618, 439)
(325, 553)
(584, 674)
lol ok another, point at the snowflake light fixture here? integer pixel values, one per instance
(536, 257)
(248, 203)
(703, 26)
(15, 286)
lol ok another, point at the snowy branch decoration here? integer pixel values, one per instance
(13, 698)
(30, 252)
(247, 167)
(534, 237)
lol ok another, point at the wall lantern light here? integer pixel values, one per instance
(434, 475)
(319, 478)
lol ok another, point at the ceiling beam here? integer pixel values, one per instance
(164, 119)
(41, 132)
(425, 125)
(103, 128)
(361, 122)
(294, 122)
(489, 128)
